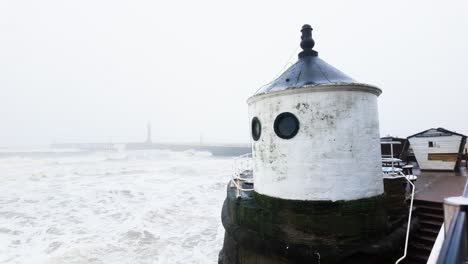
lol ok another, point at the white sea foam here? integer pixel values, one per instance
(112, 207)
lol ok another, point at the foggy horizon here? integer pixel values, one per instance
(210, 132)
(100, 71)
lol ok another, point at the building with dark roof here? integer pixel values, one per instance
(438, 148)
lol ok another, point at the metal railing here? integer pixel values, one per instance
(455, 246)
(408, 179)
(243, 173)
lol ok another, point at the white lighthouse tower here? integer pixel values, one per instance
(318, 189)
(315, 133)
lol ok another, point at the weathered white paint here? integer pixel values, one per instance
(442, 144)
(336, 153)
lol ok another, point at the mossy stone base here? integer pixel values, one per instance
(263, 229)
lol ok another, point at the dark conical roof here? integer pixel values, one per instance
(308, 70)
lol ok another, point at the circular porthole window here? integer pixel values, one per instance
(286, 125)
(256, 128)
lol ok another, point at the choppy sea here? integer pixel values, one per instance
(149, 206)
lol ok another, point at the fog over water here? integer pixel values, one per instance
(112, 207)
(99, 70)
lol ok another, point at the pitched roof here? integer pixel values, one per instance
(308, 70)
(436, 132)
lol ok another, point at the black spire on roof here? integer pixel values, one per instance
(307, 43)
(308, 70)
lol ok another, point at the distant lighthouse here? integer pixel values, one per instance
(318, 187)
(148, 133)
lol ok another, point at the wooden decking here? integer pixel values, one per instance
(434, 186)
(431, 189)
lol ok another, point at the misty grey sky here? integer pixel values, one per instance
(99, 70)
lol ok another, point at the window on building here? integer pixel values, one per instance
(256, 128)
(286, 125)
(431, 144)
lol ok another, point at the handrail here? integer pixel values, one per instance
(240, 187)
(451, 250)
(409, 217)
(454, 248)
(237, 184)
(242, 164)
(437, 246)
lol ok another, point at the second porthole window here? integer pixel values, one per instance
(256, 129)
(286, 125)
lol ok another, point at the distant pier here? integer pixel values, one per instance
(215, 149)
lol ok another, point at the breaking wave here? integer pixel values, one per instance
(148, 206)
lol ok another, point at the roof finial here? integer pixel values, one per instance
(307, 42)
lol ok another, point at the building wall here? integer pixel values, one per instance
(336, 153)
(442, 144)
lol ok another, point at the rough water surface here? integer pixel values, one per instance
(146, 206)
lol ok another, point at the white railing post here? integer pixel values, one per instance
(409, 219)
